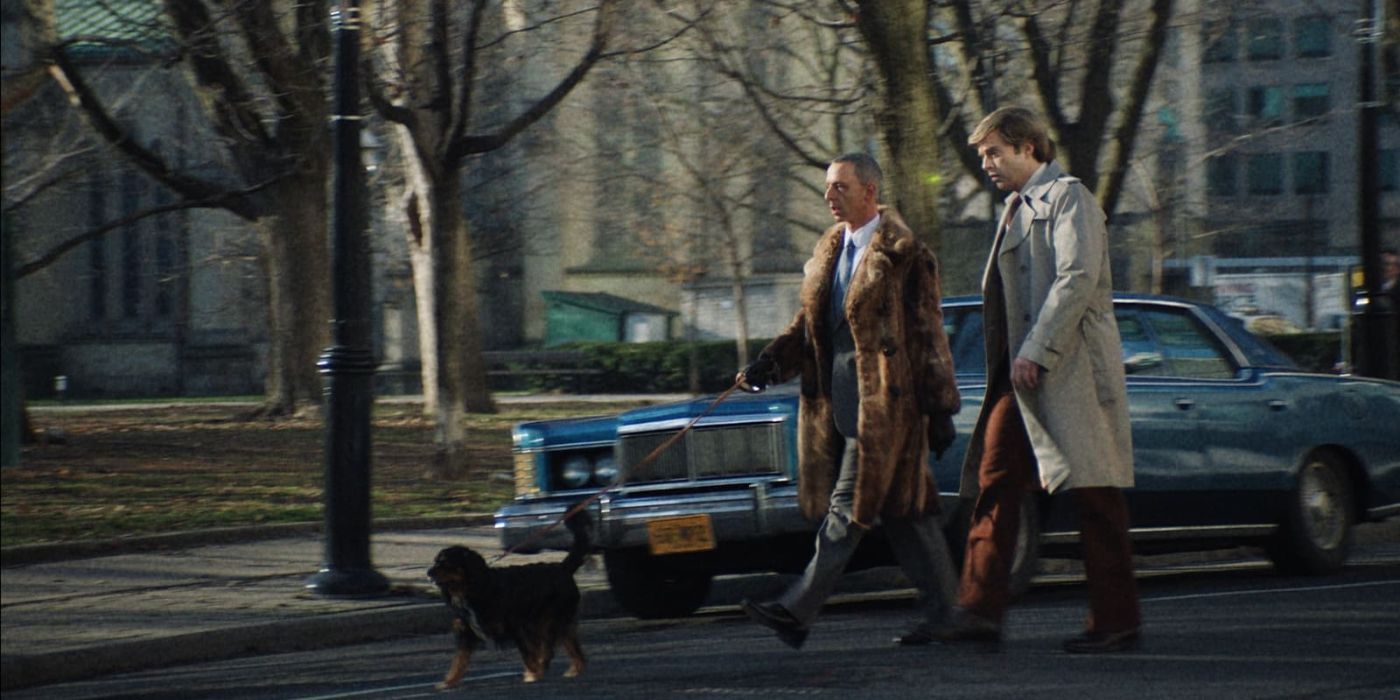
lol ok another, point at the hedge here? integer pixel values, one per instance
(640, 368)
(1316, 352)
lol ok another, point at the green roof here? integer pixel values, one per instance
(127, 29)
(602, 301)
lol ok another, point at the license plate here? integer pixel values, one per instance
(688, 533)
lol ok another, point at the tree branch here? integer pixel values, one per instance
(231, 106)
(1045, 77)
(460, 148)
(1121, 148)
(296, 89)
(1096, 100)
(82, 96)
(464, 99)
(216, 201)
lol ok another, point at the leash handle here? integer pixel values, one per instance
(539, 534)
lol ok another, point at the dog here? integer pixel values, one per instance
(533, 606)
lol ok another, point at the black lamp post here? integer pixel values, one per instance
(1375, 332)
(349, 363)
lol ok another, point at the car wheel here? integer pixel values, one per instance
(1025, 563)
(649, 590)
(1315, 536)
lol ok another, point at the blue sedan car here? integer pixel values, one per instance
(1233, 445)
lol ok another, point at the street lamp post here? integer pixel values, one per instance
(1377, 345)
(349, 363)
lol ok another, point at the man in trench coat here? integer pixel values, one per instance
(877, 392)
(1055, 415)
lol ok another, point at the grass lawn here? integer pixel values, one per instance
(139, 470)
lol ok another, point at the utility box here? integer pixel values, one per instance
(599, 316)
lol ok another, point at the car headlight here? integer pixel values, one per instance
(575, 471)
(605, 470)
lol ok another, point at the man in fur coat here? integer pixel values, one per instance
(877, 393)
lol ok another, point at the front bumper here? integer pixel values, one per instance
(747, 512)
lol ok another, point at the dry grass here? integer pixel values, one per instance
(136, 471)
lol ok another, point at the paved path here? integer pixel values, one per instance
(75, 618)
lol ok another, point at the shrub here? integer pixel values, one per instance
(647, 367)
(1315, 352)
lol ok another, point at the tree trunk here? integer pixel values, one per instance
(741, 304)
(897, 33)
(454, 373)
(296, 251)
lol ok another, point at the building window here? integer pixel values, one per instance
(131, 248)
(1219, 41)
(1265, 39)
(1266, 104)
(1390, 169)
(1221, 110)
(97, 251)
(1311, 100)
(1264, 173)
(1312, 37)
(1310, 172)
(1220, 175)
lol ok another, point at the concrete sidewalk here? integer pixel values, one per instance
(65, 619)
(90, 609)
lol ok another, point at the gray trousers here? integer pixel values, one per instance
(918, 545)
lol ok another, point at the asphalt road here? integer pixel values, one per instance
(1226, 630)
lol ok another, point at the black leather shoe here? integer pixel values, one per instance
(775, 617)
(967, 627)
(1102, 642)
(921, 634)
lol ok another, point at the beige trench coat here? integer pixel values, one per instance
(1057, 295)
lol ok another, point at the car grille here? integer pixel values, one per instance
(716, 451)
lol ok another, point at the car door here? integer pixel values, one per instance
(1169, 458)
(1226, 401)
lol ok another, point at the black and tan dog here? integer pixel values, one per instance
(534, 606)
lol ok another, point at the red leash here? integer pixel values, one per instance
(539, 534)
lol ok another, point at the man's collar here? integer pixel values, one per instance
(862, 235)
(1044, 175)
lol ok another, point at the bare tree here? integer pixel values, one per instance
(426, 81)
(257, 66)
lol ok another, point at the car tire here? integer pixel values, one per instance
(1315, 535)
(650, 590)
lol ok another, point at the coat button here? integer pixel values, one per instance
(1026, 318)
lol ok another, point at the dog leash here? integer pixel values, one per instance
(539, 534)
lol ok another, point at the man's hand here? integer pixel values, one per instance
(1025, 375)
(758, 375)
(941, 433)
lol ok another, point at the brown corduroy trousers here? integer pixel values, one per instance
(1006, 474)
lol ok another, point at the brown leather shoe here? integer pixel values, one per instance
(775, 617)
(1103, 642)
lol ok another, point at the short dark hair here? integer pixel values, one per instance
(867, 168)
(1018, 126)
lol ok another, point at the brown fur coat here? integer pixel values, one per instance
(903, 365)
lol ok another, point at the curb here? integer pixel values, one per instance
(20, 555)
(419, 615)
(305, 634)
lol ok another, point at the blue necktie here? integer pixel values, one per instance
(843, 279)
